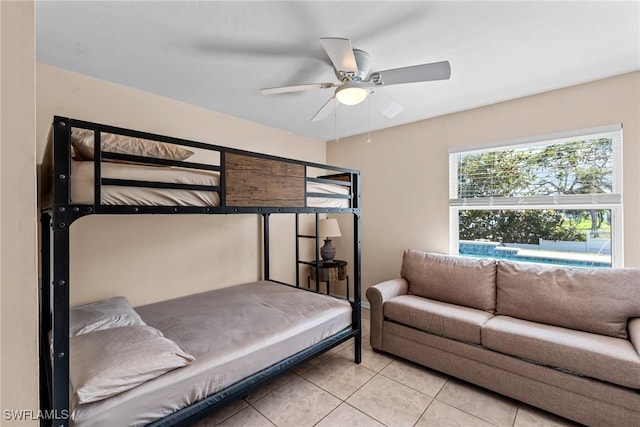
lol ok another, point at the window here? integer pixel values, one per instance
(554, 199)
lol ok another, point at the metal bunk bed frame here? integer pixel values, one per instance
(55, 263)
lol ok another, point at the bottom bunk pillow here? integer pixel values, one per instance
(110, 361)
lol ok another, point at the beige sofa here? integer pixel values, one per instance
(566, 340)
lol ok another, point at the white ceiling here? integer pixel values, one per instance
(218, 55)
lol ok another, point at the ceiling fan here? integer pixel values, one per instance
(351, 67)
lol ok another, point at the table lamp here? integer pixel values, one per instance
(328, 228)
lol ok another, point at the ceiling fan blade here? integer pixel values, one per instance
(385, 104)
(326, 109)
(341, 54)
(296, 88)
(416, 73)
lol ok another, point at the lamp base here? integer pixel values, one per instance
(328, 251)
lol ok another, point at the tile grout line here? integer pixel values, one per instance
(265, 417)
(516, 416)
(262, 397)
(327, 414)
(404, 385)
(460, 409)
(432, 400)
(412, 388)
(469, 413)
(344, 401)
(424, 412)
(370, 416)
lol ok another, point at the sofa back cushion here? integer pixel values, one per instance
(597, 300)
(457, 280)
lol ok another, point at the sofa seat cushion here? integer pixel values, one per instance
(598, 300)
(614, 360)
(436, 317)
(457, 280)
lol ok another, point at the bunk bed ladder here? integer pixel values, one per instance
(299, 262)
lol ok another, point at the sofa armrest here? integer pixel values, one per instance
(377, 295)
(634, 333)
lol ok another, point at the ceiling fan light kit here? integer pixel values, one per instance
(351, 67)
(352, 93)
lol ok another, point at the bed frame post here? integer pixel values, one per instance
(357, 258)
(265, 249)
(97, 168)
(62, 219)
(297, 216)
(60, 327)
(45, 309)
(317, 250)
(357, 312)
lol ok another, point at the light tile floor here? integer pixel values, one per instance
(332, 391)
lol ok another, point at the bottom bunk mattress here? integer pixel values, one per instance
(233, 333)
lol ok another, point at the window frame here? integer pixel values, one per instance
(612, 201)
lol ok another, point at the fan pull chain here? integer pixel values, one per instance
(335, 123)
(368, 121)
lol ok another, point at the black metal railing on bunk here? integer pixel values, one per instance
(62, 176)
(56, 220)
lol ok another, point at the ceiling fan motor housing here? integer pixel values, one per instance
(363, 61)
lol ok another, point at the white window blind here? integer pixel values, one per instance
(490, 177)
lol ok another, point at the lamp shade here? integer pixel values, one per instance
(329, 228)
(351, 93)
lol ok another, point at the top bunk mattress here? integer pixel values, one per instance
(232, 332)
(82, 187)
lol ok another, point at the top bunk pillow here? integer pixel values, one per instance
(82, 142)
(110, 313)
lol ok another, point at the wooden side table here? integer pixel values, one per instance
(330, 272)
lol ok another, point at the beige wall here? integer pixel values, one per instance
(18, 274)
(151, 258)
(405, 169)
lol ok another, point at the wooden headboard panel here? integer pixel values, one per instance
(258, 182)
